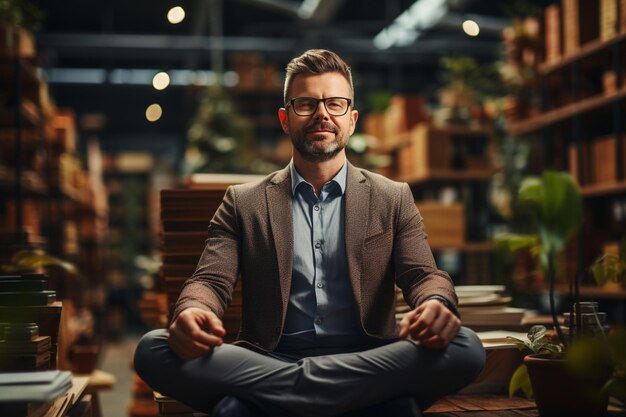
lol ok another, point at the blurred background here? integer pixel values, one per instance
(107, 104)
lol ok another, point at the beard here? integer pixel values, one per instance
(316, 150)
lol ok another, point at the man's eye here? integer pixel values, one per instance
(306, 105)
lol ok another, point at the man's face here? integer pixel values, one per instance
(320, 136)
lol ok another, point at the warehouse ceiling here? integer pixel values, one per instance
(393, 45)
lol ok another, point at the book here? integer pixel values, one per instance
(47, 317)
(19, 331)
(27, 298)
(37, 344)
(498, 339)
(552, 22)
(608, 19)
(39, 386)
(17, 362)
(20, 284)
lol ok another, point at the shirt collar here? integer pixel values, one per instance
(296, 178)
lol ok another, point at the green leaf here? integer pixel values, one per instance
(514, 241)
(536, 333)
(561, 211)
(531, 189)
(607, 268)
(520, 381)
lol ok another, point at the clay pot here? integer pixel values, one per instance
(559, 393)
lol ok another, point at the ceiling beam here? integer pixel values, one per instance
(166, 48)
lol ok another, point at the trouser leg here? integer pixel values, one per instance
(314, 386)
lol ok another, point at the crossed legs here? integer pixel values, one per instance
(314, 386)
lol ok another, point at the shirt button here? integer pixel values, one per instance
(316, 207)
(318, 244)
(320, 285)
(318, 321)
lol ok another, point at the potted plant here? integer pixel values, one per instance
(604, 356)
(556, 389)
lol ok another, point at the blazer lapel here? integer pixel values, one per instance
(278, 200)
(356, 222)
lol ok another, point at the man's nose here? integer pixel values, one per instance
(320, 111)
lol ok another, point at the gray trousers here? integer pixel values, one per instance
(315, 386)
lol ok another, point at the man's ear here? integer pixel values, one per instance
(354, 116)
(282, 116)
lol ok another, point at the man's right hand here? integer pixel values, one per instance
(195, 332)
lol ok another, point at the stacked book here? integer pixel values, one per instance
(185, 217)
(29, 323)
(485, 307)
(22, 348)
(482, 307)
(35, 394)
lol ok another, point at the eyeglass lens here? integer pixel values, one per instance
(306, 106)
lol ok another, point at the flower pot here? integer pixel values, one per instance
(559, 393)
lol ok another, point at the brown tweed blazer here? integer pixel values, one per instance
(251, 236)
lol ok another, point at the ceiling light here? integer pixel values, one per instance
(161, 80)
(176, 15)
(154, 112)
(407, 27)
(307, 8)
(471, 28)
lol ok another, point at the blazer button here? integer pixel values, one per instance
(277, 330)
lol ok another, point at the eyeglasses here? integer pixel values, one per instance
(307, 106)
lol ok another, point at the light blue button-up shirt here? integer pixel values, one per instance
(321, 311)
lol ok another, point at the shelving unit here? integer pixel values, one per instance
(47, 200)
(581, 129)
(579, 110)
(449, 171)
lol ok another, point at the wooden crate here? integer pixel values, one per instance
(444, 223)
(426, 150)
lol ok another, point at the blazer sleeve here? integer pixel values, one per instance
(211, 285)
(416, 271)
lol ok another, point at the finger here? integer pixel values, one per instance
(215, 325)
(405, 323)
(423, 322)
(194, 330)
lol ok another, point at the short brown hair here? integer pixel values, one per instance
(316, 61)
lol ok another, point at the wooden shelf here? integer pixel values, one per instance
(598, 190)
(586, 50)
(590, 291)
(32, 183)
(458, 131)
(469, 247)
(582, 106)
(462, 130)
(30, 115)
(444, 175)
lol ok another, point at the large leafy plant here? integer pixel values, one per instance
(557, 203)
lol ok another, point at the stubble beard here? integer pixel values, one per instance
(310, 150)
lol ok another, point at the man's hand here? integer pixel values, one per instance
(195, 332)
(432, 324)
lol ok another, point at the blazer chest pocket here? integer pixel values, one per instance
(379, 240)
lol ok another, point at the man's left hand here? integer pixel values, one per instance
(432, 324)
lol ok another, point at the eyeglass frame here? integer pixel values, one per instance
(317, 104)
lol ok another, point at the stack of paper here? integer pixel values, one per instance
(487, 306)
